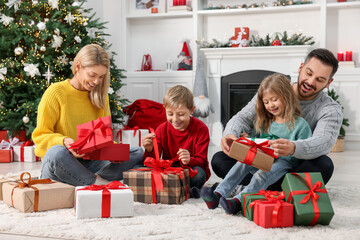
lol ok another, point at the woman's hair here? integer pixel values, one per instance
(279, 85)
(91, 55)
(178, 96)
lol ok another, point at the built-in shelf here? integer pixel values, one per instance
(164, 73)
(344, 5)
(162, 15)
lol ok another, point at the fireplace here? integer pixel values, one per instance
(237, 89)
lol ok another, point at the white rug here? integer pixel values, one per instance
(190, 220)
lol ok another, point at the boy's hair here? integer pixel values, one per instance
(326, 57)
(280, 85)
(178, 96)
(92, 55)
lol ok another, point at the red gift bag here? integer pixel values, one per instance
(146, 64)
(145, 113)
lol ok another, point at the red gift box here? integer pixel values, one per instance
(271, 213)
(6, 155)
(21, 135)
(115, 152)
(241, 38)
(93, 135)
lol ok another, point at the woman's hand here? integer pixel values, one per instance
(147, 142)
(184, 156)
(67, 142)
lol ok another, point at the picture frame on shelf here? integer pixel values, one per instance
(146, 7)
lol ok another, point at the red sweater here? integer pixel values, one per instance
(195, 138)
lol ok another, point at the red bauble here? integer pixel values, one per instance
(276, 42)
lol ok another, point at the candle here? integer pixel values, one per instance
(348, 55)
(175, 2)
(340, 56)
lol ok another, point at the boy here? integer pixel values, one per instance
(182, 138)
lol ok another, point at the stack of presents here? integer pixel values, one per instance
(303, 201)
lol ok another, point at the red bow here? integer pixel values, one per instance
(264, 146)
(26, 144)
(311, 193)
(106, 195)
(136, 128)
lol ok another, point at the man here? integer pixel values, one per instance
(323, 114)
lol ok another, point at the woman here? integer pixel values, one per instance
(67, 104)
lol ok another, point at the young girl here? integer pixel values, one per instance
(278, 113)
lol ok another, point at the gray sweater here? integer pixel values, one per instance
(323, 114)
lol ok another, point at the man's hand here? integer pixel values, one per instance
(184, 156)
(67, 142)
(226, 143)
(147, 142)
(282, 147)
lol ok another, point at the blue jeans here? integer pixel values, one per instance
(199, 179)
(260, 179)
(60, 165)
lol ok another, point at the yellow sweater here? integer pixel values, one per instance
(61, 109)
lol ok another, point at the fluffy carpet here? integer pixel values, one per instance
(190, 220)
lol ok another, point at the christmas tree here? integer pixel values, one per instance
(38, 41)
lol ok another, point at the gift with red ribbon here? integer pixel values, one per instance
(93, 135)
(248, 198)
(307, 192)
(259, 155)
(159, 183)
(273, 212)
(114, 152)
(38, 195)
(111, 200)
(131, 136)
(6, 149)
(25, 152)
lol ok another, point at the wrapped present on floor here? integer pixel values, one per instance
(259, 155)
(241, 38)
(11, 179)
(114, 152)
(7, 151)
(93, 135)
(25, 152)
(111, 200)
(159, 183)
(273, 212)
(307, 192)
(132, 136)
(38, 195)
(21, 135)
(248, 198)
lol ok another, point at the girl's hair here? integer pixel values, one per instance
(178, 96)
(91, 55)
(280, 85)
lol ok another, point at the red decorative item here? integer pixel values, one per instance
(348, 56)
(93, 135)
(241, 38)
(276, 42)
(185, 60)
(146, 64)
(340, 56)
(154, 10)
(176, 2)
(6, 155)
(21, 135)
(115, 152)
(341, 0)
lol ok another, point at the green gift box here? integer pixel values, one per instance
(248, 198)
(307, 192)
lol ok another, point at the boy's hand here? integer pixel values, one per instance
(226, 143)
(147, 142)
(184, 156)
(67, 142)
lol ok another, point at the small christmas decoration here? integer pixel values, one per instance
(26, 119)
(276, 42)
(5, 19)
(19, 51)
(41, 26)
(241, 38)
(146, 64)
(3, 72)
(48, 75)
(31, 69)
(13, 3)
(184, 57)
(43, 48)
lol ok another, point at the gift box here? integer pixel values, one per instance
(21, 135)
(115, 152)
(112, 200)
(248, 200)
(25, 152)
(132, 136)
(6, 150)
(273, 212)
(241, 38)
(37, 195)
(93, 135)
(249, 152)
(307, 192)
(10, 179)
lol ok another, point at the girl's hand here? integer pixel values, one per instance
(147, 142)
(244, 134)
(67, 142)
(184, 156)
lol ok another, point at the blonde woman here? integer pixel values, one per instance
(277, 113)
(67, 104)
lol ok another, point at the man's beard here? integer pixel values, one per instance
(307, 96)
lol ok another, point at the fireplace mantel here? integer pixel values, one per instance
(223, 61)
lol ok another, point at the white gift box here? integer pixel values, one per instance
(28, 154)
(88, 203)
(127, 137)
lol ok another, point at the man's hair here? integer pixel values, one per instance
(178, 96)
(326, 57)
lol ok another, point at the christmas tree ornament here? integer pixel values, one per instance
(110, 90)
(48, 75)
(54, 4)
(46, 20)
(210, 5)
(35, 2)
(69, 18)
(58, 40)
(43, 48)
(276, 42)
(63, 60)
(11, 64)
(41, 26)
(57, 31)
(3, 72)
(244, 6)
(26, 119)
(18, 51)
(275, 4)
(263, 5)
(228, 7)
(184, 57)
(254, 5)
(291, 2)
(91, 32)
(77, 39)
(31, 69)
(13, 3)
(76, 3)
(5, 19)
